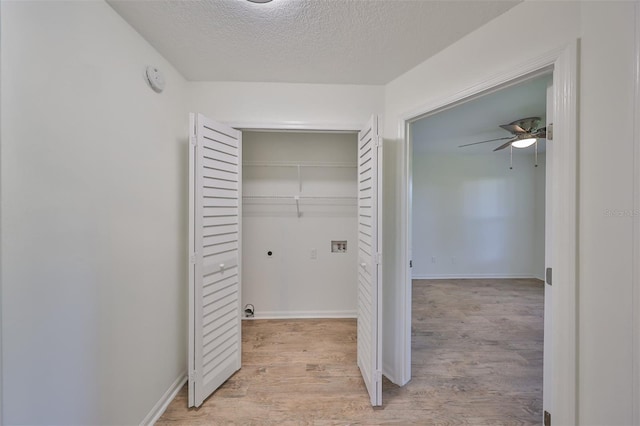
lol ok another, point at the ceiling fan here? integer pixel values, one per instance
(524, 133)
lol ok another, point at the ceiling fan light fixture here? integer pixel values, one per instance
(523, 143)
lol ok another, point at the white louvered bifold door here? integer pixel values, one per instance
(215, 201)
(369, 257)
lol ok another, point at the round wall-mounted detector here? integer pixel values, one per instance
(155, 78)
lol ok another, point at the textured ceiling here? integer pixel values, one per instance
(478, 120)
(303, 41)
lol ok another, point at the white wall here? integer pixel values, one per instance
(290, 283)
(539, 218)
(606, 185)
(473, 217)
(605, 167)
(286, 104)
(94, 175)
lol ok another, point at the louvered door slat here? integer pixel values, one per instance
(369, 302)
(215, 236)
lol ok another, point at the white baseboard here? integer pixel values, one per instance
(469, 276)
(165, 400)
(303, 314)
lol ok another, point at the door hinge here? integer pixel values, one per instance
(378, 376)
(192, 258)
(192, 376)
(549, 132)
(193, 140)
(547, 418)
(411, 264)
(378, 258)
(378, 141)
(548, 275)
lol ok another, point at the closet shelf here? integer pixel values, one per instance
(298, 200)
(299, 166)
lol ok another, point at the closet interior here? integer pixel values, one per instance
(299, 215)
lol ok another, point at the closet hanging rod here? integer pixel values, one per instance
(301, 164)
(294, 197)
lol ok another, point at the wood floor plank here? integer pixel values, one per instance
(476, 360)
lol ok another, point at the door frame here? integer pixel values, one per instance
(563, 62)
(636, 224)
(293, 126)
(350, 128)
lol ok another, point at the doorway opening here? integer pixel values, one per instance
(563, 244)
(478, 251)
(217, 201)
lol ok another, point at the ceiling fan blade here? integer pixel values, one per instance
(504, 145)
(490, 140)
(513, 128)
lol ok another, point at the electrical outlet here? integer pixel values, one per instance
(313, 255)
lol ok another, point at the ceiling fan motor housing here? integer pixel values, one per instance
(528, 124)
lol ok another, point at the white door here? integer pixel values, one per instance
(369, 260)
(215, 203)
(547, 366)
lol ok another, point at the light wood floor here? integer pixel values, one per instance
(477, 360)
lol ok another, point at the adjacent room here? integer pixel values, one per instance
(478, 251)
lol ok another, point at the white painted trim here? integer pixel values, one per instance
(302, 126)
(564, 256)
(636, 226)
(535, 67)
(564, 62)
(165, 400)
(240, 249)
(403, 350)
(302, 314)
(473, 276)
(190, 250)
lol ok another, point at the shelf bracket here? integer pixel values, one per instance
(299, 179)
(297, 198)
